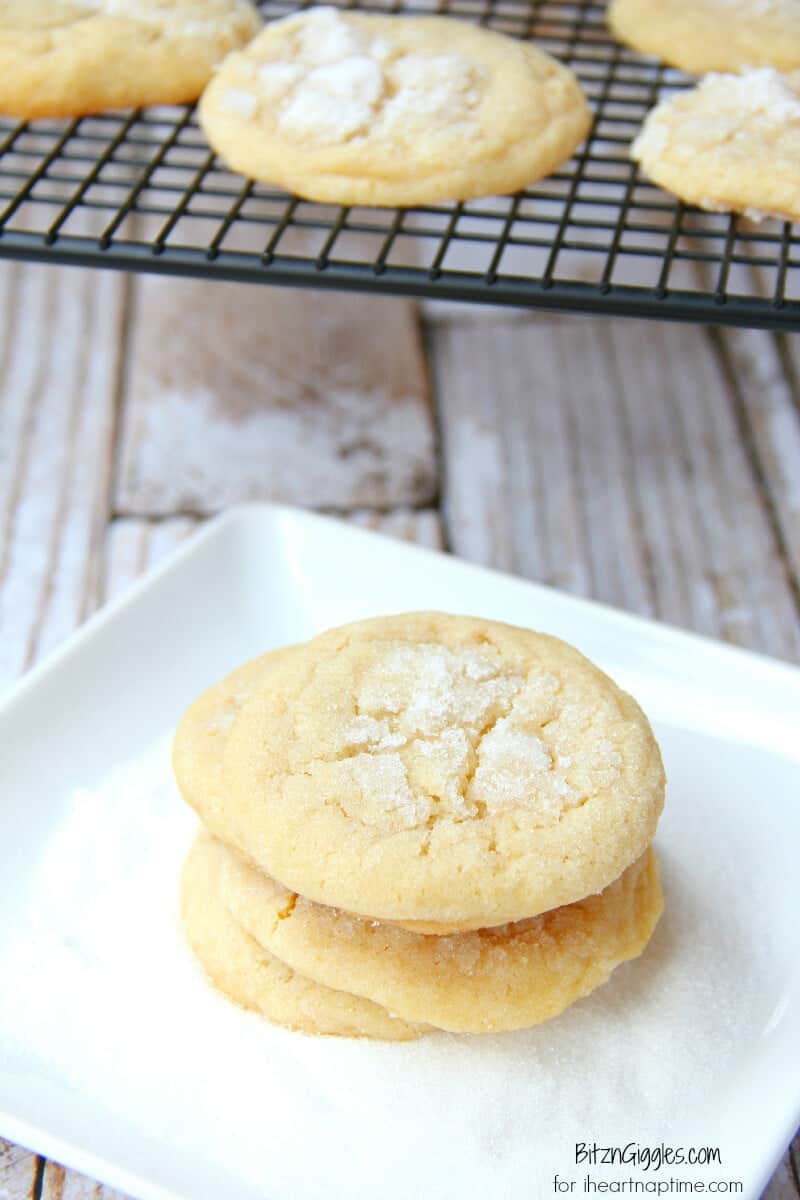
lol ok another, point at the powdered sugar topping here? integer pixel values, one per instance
(723, 109)
(338, 82)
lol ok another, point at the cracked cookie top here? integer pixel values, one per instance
(441, 769)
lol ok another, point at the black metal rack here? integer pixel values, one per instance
(142, 191)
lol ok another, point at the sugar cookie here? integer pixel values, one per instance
(732, 143)
(350, 108)
(443, 769)
(61, 58)
(711, 35)
(254, 979)
(497, 979)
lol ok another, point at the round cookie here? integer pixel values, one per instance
(440, 768)
(254, 979)
(199, 746)
(64, 58)
(200, 739)
(732, 143)
(488, 981)
(350, 108)
(711, 35)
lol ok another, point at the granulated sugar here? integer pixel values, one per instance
(99, 997)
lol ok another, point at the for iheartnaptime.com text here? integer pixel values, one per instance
(647, 1187)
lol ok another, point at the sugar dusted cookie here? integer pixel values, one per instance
(254, 979)
(350, 108)
(442, 769)
(61, 58)
(730, 144)
(496, 979)
(711, 35)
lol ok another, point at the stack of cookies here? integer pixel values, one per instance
(418, 822)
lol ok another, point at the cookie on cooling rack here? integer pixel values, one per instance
(440, 769)
(730, 144)
(509, 977)
(349, 108)
(63, 58)
(711, 35)
(255, 979)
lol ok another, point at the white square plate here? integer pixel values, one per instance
(118, 1059)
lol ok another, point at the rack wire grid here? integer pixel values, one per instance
(142, 191)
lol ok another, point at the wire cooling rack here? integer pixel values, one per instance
(142, 191)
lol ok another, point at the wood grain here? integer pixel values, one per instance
(59, 1183)
(422, 526)
(238, 393)
(785, 1183)
(59, 363)
(606, 458)
(19, 1172)
(769, 401)
(133, 546)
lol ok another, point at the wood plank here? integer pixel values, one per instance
(60, 1183)
(133, 546)
(785, 1183)
(422, 526)
(59, 365)
(19, 1172)
(239, 393)
(769, 400)
(605, 458)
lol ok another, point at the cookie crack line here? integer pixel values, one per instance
(487, 729)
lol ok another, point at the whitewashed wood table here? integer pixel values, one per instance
(654, 467)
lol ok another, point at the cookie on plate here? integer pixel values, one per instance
(730, 144)
(504, 978)
(439, 768)
(350, 108)
(255, 979)
(64, 58)
(711, 35)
